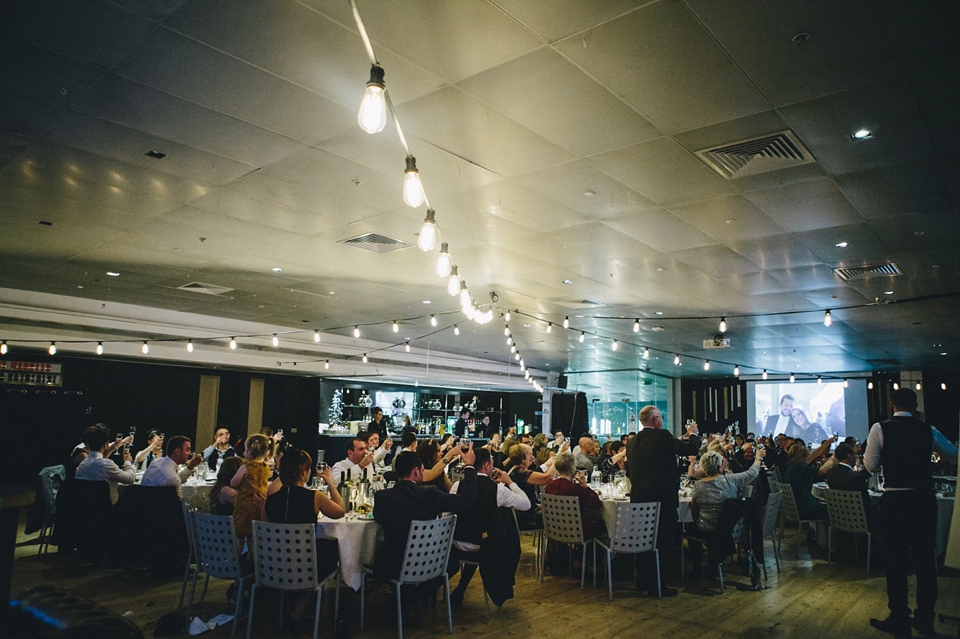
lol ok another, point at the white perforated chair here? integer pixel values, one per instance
(285, 558)
(424, 558)
(214, 540)
(50, 479)
(469, 562)
(537, 538)
(790, 512)
(634, 531)
(191, 555)
(845, 511)
(770, 515)
(562, 523)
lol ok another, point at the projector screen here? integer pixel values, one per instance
(808, 410)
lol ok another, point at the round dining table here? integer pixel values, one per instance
(357, 540)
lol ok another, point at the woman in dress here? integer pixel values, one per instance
(801, 477)
(614, 461)
(813, 433)
(222, 493)
(435, 463)
(521, 457)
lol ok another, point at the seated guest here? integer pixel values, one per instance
(154, 450)
(98, 467)
(296, 504)
(539, 442)
(521, 457)
(543, 456)
(222, 493)
(77, 455)
(708, 496)
(165, 471)
(746, 455)
(382, 454)
(484, 524)
(357, 459)
(615, 461)
(587, 453)
(410, 500)
(557, 440)
(435, 464)
(801, 477)
(220, 449)
(408, 441)
(843, 477)
(572, 483)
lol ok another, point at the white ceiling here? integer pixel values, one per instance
(516, 110)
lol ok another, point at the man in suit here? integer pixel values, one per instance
(843, 477)
(396, 507)
(655, 476)
(782, 423)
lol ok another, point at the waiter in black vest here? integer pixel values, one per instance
(902, 446)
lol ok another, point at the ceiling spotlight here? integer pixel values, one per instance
(99, 348)
(676, 360)
(862, 134)
(827, 318)
(453, 284)
(433, 320)
(506, 316)
(568, 281)
(189, 346)
(896, 386)
(113, 273)
(736, 371)
(364, 358)
(723, 324)
(326, 364)
(145, 348)
(636, 326)
(646, 353)
(444, 263)
(53, 348)
(764, 374)
(793, 378)
(372, 116)
(456, 329)
(706, 365)
(356, 331)
(3, 347)
(842, 245)
(549, 327)
(276, 340)
(613, 346)
(582, 337)
(277, 269)
(566, 322)
(233, 343)
(413, 192)
(316, 336)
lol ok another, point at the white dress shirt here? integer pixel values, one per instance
(354, 472)
(164, 472)
(96, 467)
(512, 497)
(782, 424)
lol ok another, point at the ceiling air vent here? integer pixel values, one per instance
(863, 272)
(208, 289)
(756, 155)
(375, 243)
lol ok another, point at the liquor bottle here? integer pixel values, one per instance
(344, 489)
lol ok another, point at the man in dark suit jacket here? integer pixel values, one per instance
(844, 477)
(654, 476)
(408, 500)
(782, 422)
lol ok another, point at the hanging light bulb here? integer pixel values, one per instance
(233, 343)
(870, 386)
(276, 340)
(189, 346)
(326, 364)
(407, 347)
(453, 284)
(513, 348)
(99, 348)
(444, 263)
(372, 116)
(819, 380)
(506, 316)
(433, 320)
(943, 385)
(764, 374)
(706, 365)
(676, 360)
(464, 295)
(583, 336)
(845, 384)
(793, 378)
(549, 327)
(145, 348)
(413, 189)
(53, 348)
(470, 310)
(523, 366)
(364, 358)
(356, 332)
(509, 340)
(827, 319)
(636, 326)
(428, 232)
(526, 374)
(3, 347)
(516, 356)
(723, 324)
(506, 329)
(736, 371)
(646, 353)
(566, 322)
(396, 327)
(316, 336)
(896, 386)
(614, 345)
(456, 329)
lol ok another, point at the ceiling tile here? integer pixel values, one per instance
(555, 109)
(863, 245)
(918, 232)
(664, 172)
(715, 261)
(914, 188)
(728, 219)
(662, 61)
(773, 253)
(661, 230)
(519, 205)
(935, 94)
(594, 242)
(806, 206)
(542, 17)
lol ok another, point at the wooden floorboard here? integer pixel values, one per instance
(809, 598)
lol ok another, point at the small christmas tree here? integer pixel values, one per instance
(335, 414)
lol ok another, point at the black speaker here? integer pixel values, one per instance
(568, 414)
(562, 381)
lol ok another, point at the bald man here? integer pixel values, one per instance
(586, 456)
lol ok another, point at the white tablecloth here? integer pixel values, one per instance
(357, 539)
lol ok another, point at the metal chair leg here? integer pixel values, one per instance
(609, 576)
(316, 612)
(446, 583)
(583, 566)
(253, 598)
(399, 616)
(363, 597)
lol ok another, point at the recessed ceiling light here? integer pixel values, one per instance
(277, 269)
(113, 274)
(888, 292)
(332, 293)
(841, 245)
(943, 353)
(589, 193)
(426, 301)
(862, 134)
(918, 233)
(526, 326)
(659, 269)
(79, 285)
(730, 221)
(659, 313)
(657, 328)
(568, 281)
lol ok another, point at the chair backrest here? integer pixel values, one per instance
(770, 513)
(561, 518)
(788, 505)
(285, 555)
(198, 499)
(635, 527)
(428, 549)
(773, 482)
(50, 479)
(215, 544)
(845, 510)
(188, 523)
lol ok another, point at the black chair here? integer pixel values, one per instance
(84, 516)
(150, 529)
(722, 542)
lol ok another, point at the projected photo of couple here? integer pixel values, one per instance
(811, 412)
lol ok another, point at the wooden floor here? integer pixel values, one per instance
(810, 598)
